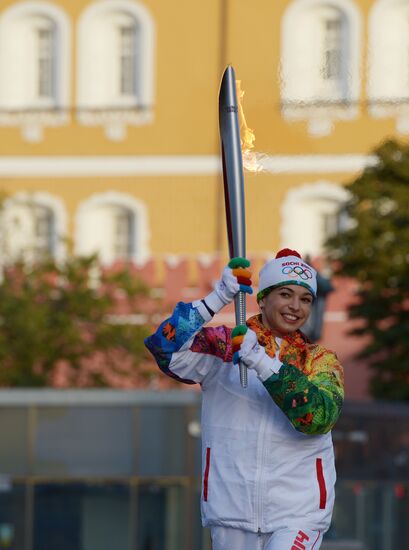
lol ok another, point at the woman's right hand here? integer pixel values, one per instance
(236, 277)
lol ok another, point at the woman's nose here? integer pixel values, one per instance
(295, 304)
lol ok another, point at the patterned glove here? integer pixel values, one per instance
(236, 277)
(247, 349)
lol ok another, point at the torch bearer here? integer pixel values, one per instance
(233, 180)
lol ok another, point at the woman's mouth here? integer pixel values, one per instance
(289, 318)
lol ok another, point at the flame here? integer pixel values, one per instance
(247, 136)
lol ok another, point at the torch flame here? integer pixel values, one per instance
(247, 137)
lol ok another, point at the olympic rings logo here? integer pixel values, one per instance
(298, 271)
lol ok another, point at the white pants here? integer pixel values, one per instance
(227, 538)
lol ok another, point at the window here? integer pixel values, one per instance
(331, 55)
(332, 50)
(389, 51)
(29, 232)
(330, 223)
(112, 60)
(110, 232)
(122, 245)
(319, 49)
(320, 62)
(112, 225)
(46, 63)
(31, 80)
(43, 234)
(33, 227)
(115, 66)
(388, 61)
(34, 67)
(34, 53)
(128, 60)
(316, 208)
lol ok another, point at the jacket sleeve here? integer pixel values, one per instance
(182, 347)
(311, 399)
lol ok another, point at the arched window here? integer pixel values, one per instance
(388, 61)
(114, 226)
(115, 65)
(320, 62)
(311, 215)
(34, 66)
(33, 227)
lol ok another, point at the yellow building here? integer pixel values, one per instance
(109, 123)
(113, 103)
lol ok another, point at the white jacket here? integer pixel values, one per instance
(258, 472)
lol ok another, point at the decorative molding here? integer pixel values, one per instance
(33, 122)
(115, 121)
(320, 117)
(318, 164)
(152, 165)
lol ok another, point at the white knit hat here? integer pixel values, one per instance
(287, 268)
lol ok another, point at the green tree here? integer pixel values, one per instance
(58, 318)
(375, 251)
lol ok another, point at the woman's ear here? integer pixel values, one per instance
(261, 304)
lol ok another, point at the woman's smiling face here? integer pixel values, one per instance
(286, 308)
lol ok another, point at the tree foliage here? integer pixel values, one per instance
(56, 320)
(375, 251)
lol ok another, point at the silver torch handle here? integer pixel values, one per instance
(233, 180)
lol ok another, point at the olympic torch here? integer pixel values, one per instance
(233, 180)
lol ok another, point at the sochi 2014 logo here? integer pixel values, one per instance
(303, 273)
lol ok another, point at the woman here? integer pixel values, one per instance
(268, 464)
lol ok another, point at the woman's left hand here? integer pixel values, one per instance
(247, 349)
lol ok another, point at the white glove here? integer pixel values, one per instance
(254, 356)
(229, 285)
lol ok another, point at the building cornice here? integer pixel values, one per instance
(152, 165)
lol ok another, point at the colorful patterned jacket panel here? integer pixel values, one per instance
(172, 335)
(309, 388)
(191, 348)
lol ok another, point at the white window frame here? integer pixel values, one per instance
(320, 115)
(52, 203)
(33, 113)
(141, 234)
(115, 114)
(291, 233)
(388, 97)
